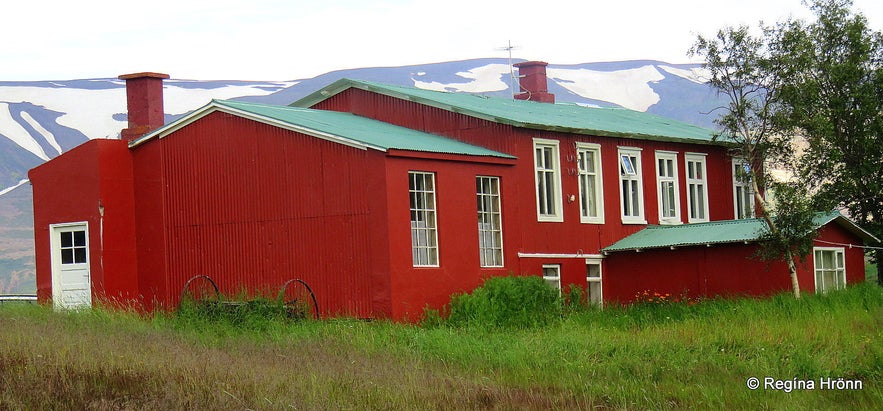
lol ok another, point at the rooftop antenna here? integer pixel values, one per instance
(509, 47)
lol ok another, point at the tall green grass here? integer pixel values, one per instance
(649, 356)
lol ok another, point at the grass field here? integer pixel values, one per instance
(649, 356)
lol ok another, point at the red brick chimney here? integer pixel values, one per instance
(532, 79)
(144, 102)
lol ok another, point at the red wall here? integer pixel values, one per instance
(569, 236)
(75, 187)
(855, 257)
(414, 288)
(719, 270)
(252, 206)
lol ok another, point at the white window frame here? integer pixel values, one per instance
(839, 269)
(490, 221)
(696, 186)
(631, 172)
(595, 280)
(747, 190)
(553, 281)
(584, 177)
(553, 171)
(424, 237)
(668, 181)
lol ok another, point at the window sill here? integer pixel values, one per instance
(670, 222)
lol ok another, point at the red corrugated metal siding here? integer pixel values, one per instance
(720, 270)
(70, 188)
(414, 288)
(569, 236)
(253, 206)
(433, 120)
(855, 256)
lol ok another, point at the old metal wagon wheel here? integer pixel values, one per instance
(200, 289)
(299, 299)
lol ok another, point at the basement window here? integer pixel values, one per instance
(424, 233)
(552, 276)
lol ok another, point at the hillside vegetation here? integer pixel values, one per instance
(654, 355)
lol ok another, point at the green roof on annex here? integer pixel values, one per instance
(718, 232)
(569, 118)
(345, 128)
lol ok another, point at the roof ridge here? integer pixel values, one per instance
(568, 118)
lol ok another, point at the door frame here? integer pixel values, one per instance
(55, 247)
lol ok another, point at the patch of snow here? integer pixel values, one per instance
(15, 132)
(91, 111)
(8, 189)
(422, 73)
(179, 100)
(627, 88)
(697, 75)
(50, 138)
(485, 78)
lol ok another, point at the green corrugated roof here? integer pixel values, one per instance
(571, 118)
(345, 128)
(718, 232)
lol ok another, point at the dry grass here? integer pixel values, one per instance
(672, 357)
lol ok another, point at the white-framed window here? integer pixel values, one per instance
(552, 276)
(668, 188)
(490, 222)
(830, 268)
(743, 191)
(594, 292)
(591, 191)
(548, 179)
(697, 188)
(424, 233)
(631, 193)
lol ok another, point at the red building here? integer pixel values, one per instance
(385, 199)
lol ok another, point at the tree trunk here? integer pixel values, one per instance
(877, 255)
(788, 256)
(792, 270)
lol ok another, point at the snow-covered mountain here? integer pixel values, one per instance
(40, 120)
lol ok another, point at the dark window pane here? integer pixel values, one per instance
(67, 256)
(79, 255)
(67, 240)
(80, 238)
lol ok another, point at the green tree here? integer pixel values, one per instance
(832, 94)
(742, 68)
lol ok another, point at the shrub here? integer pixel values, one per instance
(507, 302)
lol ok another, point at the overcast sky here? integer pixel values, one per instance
(294, 39)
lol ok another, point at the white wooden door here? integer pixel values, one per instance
(71, 281)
